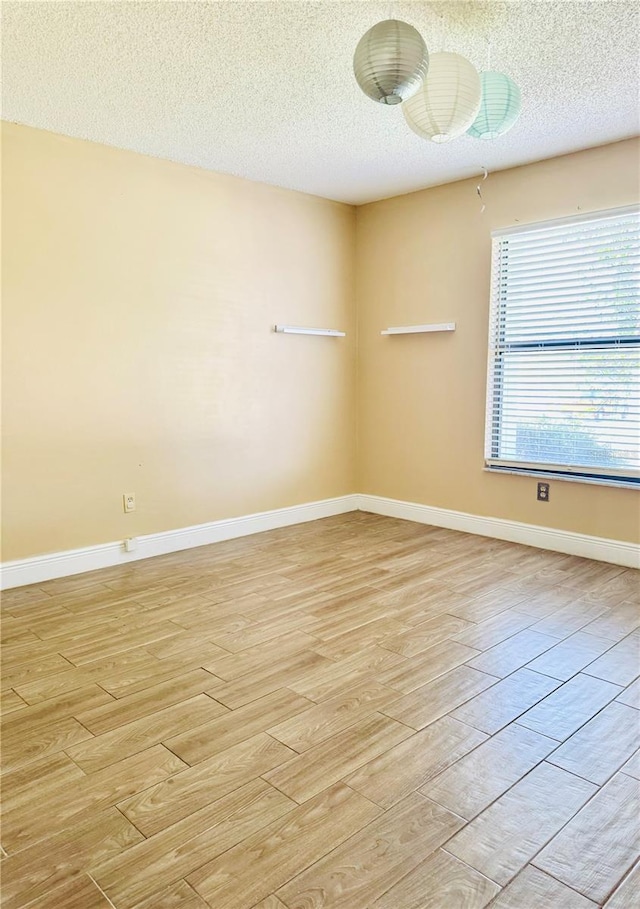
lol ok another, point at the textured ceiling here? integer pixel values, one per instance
(265, 90)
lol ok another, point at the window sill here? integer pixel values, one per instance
(564, 477)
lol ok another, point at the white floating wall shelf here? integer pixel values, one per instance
(418, 329)
(296, 330)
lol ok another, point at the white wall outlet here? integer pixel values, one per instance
(130, 544)
(129, 501)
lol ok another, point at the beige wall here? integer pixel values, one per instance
(425, 257)
(138, 299)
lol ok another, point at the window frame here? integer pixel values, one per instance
(495, 371)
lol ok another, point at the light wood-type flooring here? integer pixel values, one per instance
(356, 713)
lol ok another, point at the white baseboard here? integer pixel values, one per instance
(37, 569)
(599, 548)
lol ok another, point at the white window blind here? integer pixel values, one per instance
(564, 348)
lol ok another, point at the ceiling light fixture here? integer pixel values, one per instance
(500, 106)
(390, 62)
(448, 101)
(444, 94)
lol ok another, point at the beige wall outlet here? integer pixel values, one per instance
(129, 501)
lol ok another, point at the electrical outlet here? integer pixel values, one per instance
(129, 501)
(543, 492)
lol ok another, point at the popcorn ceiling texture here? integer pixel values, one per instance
(265, 90)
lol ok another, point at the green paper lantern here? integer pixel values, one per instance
(499, 108)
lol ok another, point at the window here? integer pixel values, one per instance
(564, 349)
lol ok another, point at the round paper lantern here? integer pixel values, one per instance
(499, 108)
(448, 101)
(390, 61)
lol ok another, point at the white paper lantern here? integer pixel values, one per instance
(499, 109)
(390, 61)
(448, 101)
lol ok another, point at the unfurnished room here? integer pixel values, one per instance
(320, 463)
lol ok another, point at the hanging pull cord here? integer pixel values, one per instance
(479, 189)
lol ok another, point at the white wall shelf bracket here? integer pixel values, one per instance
(419, 329)
(296, 330)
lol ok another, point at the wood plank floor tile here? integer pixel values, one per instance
(533, 889)
(261, 682)
(492, 709)
(616, 623)
(42, 741)
(324, 720)
(602, 745)
(365, 636)
(487, 605)
(67, 705)
(507, 835)
(602, 842)
(548, 601)
(421, 637)
(493, 631)
(98, 649)
(417, 604)
(215, 621)
(586, 574)
(20, 785)
(260, 632)
(271, 902)
(260, 656)
(472, 783)
(483, 580)
(505, 658)
(173, 853)
(333, 678)
(364, 867)
(72, 678)
(440, 881)
(567, 708)
(175, 896)
(196, 648)
(624, 587)
(571, 618)
(402, 769)
(26, 653)
(347, 615)
(626, 582)
(631, 695)
(110, 747)
(173, 799)
(134, 680)
(10, 702)
(437, 698)
(204, 741)
(425, 667)
(93, 634)
(632, 766)
(186, 661)
(621, 664)
(570, 656)
(38, 869)
(80, 893)
(26, 822)
(269, 858)
(623, 897)
(29, 672)
(136, 706)
(321, 766)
